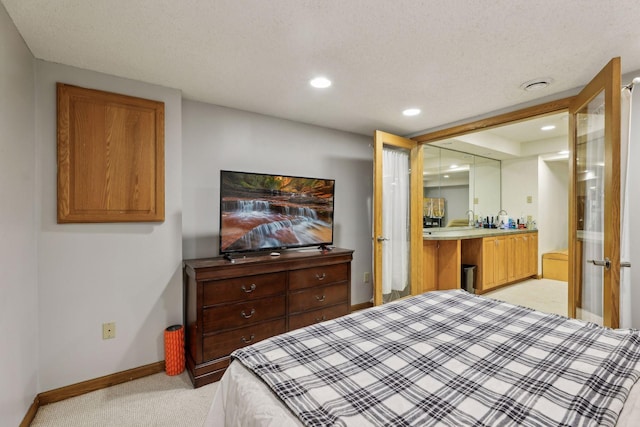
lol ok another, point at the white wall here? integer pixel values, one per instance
(634, 205)
(519, 180)
(548, 185)
(18, 261)
(90, 274)
(488, 196)
(553, 207)
(216, 138)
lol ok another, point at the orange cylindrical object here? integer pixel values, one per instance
(174, 349)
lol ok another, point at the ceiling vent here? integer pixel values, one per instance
(537, 84)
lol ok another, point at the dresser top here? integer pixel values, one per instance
(286, 256)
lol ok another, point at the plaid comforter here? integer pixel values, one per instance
(450, 358)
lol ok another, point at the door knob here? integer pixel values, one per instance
(381, 239)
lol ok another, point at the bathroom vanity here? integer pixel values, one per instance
(501, 257)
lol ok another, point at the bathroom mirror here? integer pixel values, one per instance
(455, 183)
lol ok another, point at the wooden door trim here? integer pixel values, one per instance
(516, 116)
(415, 210)
(609, 80)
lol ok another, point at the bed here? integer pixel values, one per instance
(445, 358)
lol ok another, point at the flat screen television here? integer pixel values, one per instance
(260, 212)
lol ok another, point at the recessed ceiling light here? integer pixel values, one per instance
(563, 152)
(411, 112)
(453, 166)
(320, 82)
(548, 127)
(536, 84)
(446, 176)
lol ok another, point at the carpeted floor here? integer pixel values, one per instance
(160, 400)
(157, 400)
(545, 295)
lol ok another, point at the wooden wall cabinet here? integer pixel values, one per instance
(232, 305)
(110, 157)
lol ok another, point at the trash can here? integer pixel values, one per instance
(174, 349)
(467, 278)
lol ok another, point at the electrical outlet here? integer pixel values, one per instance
(367, 277)
(529, 199)
(108, 330)
(476, 200)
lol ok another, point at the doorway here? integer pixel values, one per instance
(533, 189)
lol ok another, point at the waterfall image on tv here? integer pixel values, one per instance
(263, 212)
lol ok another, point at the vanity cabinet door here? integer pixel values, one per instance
(488, 263)
(500, 258)
(533, 255)
(511, 256)
(521, 255)
(430, 265)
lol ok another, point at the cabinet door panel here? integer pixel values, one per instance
(500, 256)
(430, 265)
(488, 263)
(511, 258)
(520, 257)
(533, 255)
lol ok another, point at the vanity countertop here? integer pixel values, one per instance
(461, 233)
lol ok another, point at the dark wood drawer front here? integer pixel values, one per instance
(316, 316)
(243, 314)
(244, 288)
(220, 345)
(317, 276)
(311, 299)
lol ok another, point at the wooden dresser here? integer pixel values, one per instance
(232, 305)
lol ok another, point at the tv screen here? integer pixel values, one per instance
(266, 212)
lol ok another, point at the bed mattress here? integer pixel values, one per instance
(442, 358)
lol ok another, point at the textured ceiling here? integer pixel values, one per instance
(454, 59)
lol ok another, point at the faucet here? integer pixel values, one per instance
(471, 218)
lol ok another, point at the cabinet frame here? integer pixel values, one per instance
(110, 152)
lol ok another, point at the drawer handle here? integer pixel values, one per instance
(320, 299)
(322, 319)
(321, 276)
(251, 288)
(247, 341)
(245, 315)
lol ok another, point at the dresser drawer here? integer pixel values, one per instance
(222, 344)
(242, 314)
(243, 288)
(315, 276)
(313, 298)
(310, 317)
